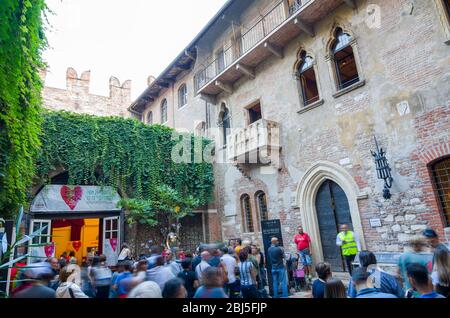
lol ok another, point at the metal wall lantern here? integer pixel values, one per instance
(383, 170)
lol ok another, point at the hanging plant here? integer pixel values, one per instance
(22, 41)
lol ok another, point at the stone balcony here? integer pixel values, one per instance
(267, 37)
(259, 143)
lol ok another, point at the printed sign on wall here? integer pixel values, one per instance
(63, 198)
(110, 251)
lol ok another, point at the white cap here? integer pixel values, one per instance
(146, 290)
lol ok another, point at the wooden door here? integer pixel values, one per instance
(332, 210)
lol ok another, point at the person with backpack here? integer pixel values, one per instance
(101, 277)
(68, 289)
(383, 281)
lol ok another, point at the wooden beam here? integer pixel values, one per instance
(148, 99)
(163, 84)
(275, 50)
(182, 67)
(209, 98)
(189, 55)
(305, 27)
(351, 3)
(225, 87)
(248, 71)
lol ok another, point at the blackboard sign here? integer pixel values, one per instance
(270, 229)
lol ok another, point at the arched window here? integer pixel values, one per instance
(150, 118)
(261, 203)
(441, 173)
(344, 59)
(164, 111)
(247, 214)
(182, 96)
(308, 81)
(225, 123)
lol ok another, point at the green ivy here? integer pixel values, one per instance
(133, 157)
(21, 43)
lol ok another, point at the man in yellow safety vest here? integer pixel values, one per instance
(350, 246)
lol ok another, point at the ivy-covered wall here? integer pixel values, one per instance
(135, 158)
(21, 43)
(123, 153)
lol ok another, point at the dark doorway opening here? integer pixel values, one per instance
(332, 210)
(254, 113)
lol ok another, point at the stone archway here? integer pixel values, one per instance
(307, 190)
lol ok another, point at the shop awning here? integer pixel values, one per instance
(79, 199)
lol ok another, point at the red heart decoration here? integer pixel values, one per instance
(71, 196)
(113, 242)
(76, 245)
(49, 249)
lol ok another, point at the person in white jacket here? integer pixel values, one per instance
(73, 268)
(68, 289)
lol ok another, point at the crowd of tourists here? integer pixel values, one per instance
(213, 271)
(238, 269)
(418, 275)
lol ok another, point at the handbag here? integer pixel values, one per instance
(224, 273)
(299, 273)
(71, 293)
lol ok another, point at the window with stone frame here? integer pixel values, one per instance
(208, 115)
(225, 124)
(247, 214)
(447, 8)
(182, 96)
(443, 10)
(344, 60)
(306, 75)
(254, 113)
(441, 174)
(261, 203)
(164, 111)
(150, 118)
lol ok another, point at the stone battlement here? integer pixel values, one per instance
(76, 97)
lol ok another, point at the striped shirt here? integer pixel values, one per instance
(245, 273)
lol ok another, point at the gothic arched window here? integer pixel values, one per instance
(164, 111)
(344, 60)
(247, 214)
(306, 75)
(225, 123)
(150, 118)
(261, 203)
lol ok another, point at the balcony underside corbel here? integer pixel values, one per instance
(305, 27)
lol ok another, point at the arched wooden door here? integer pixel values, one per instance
(332, 210)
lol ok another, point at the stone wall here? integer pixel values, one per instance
(76, 97)
(405, 103)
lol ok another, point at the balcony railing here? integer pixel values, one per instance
(281, 12)
(217, 66)
(257, 143)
